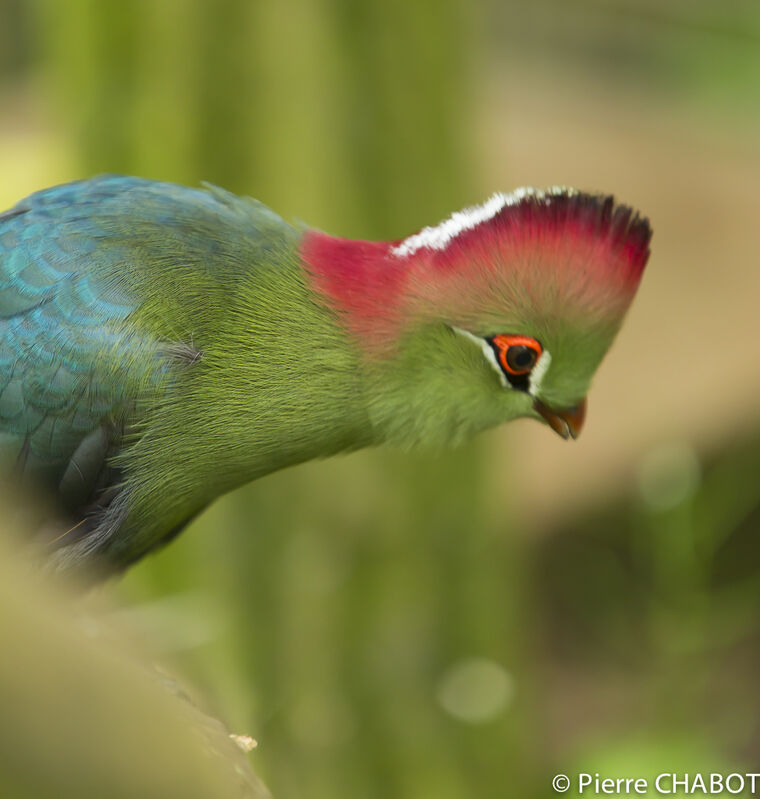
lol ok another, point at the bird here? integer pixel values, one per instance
(161, 345)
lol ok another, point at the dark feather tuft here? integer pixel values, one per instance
(596, 215)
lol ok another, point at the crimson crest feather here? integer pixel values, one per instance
(557, 251)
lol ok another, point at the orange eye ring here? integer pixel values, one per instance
(517, 354)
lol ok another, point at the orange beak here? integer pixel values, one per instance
(567, 422)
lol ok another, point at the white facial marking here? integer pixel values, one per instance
(487, 351)
(539, 370)
(438, 236)
(536, 375)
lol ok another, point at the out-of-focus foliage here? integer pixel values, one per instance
(344, 113)
(85, 713)
(455, 624)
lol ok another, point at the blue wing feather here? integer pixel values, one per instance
(75, 261)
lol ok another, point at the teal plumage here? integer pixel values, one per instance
(160, 345)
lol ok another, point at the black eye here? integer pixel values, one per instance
(517, 355)
(520, 358)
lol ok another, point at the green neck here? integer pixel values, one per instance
(279, 383)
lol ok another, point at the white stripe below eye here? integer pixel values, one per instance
(487, 351)
(536, 375)
(539, 370)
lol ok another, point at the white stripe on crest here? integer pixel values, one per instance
(437, 237)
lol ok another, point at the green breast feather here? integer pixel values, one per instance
(114, 296)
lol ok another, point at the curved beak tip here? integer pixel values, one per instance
(566, 422)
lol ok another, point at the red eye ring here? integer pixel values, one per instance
(515, 363)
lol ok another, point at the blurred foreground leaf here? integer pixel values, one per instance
(83, 714)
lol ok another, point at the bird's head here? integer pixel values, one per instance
(501, 311)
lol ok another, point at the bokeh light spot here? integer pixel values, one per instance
(668, 475)
(475, 690)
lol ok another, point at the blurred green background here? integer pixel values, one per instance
(464, 623)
